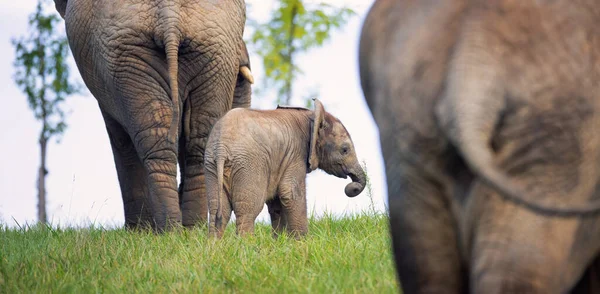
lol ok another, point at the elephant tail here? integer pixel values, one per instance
(172, 52)
(220, 170)
(480, 160)
(470, 114)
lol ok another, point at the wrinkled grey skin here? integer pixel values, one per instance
(488, 114)
(163, 72)
(258, 156)
(195, 207)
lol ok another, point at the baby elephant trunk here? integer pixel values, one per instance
(359, 181)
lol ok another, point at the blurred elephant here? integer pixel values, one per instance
(258, 156)
(488, 114)
(163, 72)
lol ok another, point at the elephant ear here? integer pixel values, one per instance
(319, 114)
(61, 7)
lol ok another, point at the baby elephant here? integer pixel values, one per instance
(258, 156)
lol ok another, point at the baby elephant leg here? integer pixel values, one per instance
(292, 191)
(246, 213)
(277, 216)
(247, 200)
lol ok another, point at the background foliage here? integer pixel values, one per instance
(295, 27)
(42, 73)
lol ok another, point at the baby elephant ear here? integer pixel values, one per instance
(319, 113)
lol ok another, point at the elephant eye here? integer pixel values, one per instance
(344, 150)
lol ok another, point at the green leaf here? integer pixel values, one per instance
(41, 71)
(295, 27)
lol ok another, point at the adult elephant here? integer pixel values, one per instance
(163, 72)
(488, 114)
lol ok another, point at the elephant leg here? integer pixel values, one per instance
(194, 203)
(278, 221)
(160, 161)
(292, 191)
(132, 176)
(181, 158)
(248, 212)
(147, 112)
(424, 240)
(247, 207)
(247, 197)
(207, 103)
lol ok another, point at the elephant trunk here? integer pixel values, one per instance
(359, 181)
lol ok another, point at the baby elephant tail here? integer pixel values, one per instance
(219, 214)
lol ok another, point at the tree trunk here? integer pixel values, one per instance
(43, 135)
(42, 181)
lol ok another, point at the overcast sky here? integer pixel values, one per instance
(82, 181)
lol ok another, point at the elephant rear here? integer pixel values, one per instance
(457, 91)
(223, 137)
(163, 72)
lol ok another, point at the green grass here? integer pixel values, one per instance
(339, 255)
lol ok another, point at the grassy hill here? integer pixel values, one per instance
(339, 255)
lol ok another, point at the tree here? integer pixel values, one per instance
(42, 74)
(295, 27)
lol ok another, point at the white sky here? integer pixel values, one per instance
(82, 182)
